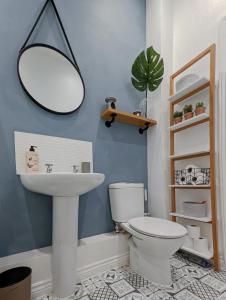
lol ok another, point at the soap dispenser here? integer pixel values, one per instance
(32, 160)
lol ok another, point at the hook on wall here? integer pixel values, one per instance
(108, 123)
(142, 130)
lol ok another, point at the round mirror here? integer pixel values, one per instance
(50, 78)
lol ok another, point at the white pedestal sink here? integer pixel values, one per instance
(65, 189)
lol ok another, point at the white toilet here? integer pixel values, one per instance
(153, 240)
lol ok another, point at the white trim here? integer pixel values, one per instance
(222, 156)
(45, 286)
(41, 288)
(221, 138)
(159, 33)
(95, 254)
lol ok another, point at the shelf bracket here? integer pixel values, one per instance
(108, 123)
(142, 130)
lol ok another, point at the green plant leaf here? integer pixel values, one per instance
(139, 85)
(140, 67)
(147, 70)
(137, 71)
(153, 85)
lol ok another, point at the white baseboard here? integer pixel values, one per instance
(95, 254)
(45, 287)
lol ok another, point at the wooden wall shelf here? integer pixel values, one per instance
(111, 115)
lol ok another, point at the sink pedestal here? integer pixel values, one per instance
(65, 239)
(65, 188)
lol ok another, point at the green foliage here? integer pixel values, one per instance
(177, 114)
(188, 108)
(200, 104)
(147, 70)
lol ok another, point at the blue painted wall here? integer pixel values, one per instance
(106, 36)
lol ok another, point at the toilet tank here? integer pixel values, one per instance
(127, 201)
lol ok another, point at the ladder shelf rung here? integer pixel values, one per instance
(180, 186)
(192, 89)
(207, 255)
(202, 118)
(204, 219)
(189, 155)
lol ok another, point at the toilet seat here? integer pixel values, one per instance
(156, 227)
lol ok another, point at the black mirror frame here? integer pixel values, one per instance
(26, 91)
(73, 61)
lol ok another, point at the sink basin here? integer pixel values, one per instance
(65, 189)
(61, 184)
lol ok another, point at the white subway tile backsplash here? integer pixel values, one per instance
(61, 152)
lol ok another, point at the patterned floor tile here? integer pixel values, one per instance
(148, 290)
(195, 272)
(104, 293)
(112, 276)
(79, 292)
(177, 273)
(93, 283)
(160, 295)
(137, 281)
(219, 275)
(214, 283)
(177, 286)
(177, 263)
(124, 271)
(222, 297)
(134, 296)
(190, 282)
(186, 295)
(122, 287)
(203, 291)
(181, 258)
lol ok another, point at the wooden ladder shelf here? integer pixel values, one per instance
(174, 99)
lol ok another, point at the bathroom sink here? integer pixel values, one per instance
(61, 184)
(65, 189)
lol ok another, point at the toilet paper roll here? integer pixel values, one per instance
(201, 245)
(193, 231)
(189, 242)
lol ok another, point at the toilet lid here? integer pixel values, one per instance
(158, 227)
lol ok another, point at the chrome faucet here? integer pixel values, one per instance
(49, 168)
(75, 168)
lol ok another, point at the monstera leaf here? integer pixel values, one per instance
(147, 70)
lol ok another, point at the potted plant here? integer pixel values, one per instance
(147, 72)
(188, 112)
(177, 117)
(200, 108)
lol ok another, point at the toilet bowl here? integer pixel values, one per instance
(153, 240)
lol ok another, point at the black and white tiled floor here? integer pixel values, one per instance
(190, 282)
